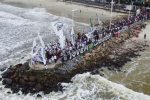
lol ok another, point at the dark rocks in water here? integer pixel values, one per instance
(101, 74)
(39, 96)
(15, 88)
(110, 68)
(2, 69)
(0, 79)
(7, 81)
(18, 93)
(95, 72)
(38, 87)
(8, 92)
(1, 88)
(7, 73)
(60, 88)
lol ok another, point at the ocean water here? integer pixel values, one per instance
(19, 26)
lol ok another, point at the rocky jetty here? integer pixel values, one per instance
(112, 54)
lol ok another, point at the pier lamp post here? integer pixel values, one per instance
(112, 3)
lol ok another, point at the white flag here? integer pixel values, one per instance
(62, 38)
(72, 35)
(43, 56)
(138, 12)
(99, 22)
(41, 41)
(33, 47)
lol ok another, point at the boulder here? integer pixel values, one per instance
(38, 87)
(31, 78)
(8, 73)
(7, 81)
(39, 96)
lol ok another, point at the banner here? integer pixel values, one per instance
(41, 40)
(72, 35)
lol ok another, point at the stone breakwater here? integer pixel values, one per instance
(112, 54)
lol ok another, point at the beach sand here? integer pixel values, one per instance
(82, 13)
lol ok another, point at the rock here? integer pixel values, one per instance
(95, 72)
(60, 88)
(15, 88)
(8, 92)
(102, 69)
(38, 87)
(39, 96)
(25, 77)
(0, 79)
(31, 84)
(2, 69)
(7, 81)
(25, 89)
(110, 68)
(101, 74)
(7, 73)
(7, 86)
(1, 88)
(31, 78)
(22, 81)
(87, 56)
(18, 93)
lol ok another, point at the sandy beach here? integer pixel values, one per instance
(81, 13)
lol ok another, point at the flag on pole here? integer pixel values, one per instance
(62, 38)
(91, 24)
(43, 55)
(33, 47)
(98, 20)
(41, 40)
(138, 12)
(72, 35)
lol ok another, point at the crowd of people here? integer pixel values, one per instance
(53, 52)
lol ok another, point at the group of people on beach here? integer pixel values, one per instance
(54, 53)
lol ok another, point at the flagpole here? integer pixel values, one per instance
(73, 24)
(111, 14)
(131, 5)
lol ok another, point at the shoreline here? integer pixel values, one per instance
(65, 10)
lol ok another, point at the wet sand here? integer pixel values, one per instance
(82, 13)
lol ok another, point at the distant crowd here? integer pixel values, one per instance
(82, 43)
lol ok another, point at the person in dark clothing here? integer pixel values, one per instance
(144, 36)
(48, 56)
